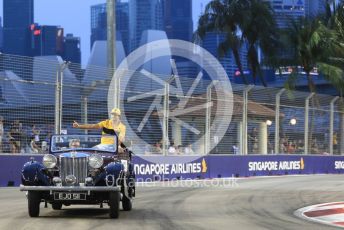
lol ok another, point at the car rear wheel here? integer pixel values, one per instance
(126, 203)
(56, 206)
(114, 199)
(34, 200)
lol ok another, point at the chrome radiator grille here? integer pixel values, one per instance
(73, 166)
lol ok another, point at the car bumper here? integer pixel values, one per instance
(88, 189)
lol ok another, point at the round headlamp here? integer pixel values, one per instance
(49, 161)
(95, 161)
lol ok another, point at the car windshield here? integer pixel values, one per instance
(62, 143)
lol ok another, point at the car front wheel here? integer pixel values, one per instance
(126, 203)
(114, 199)
(34, 200)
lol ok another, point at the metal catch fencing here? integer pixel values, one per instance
(165, 114)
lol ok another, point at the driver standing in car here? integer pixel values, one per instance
(109, 127)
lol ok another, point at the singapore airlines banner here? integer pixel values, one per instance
(159, 168)
(199, 167)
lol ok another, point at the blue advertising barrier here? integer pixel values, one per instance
(149, 168)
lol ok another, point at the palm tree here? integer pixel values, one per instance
(259, 30)
(223, 16)
(312, 44)
(333, 71)
(253, 19)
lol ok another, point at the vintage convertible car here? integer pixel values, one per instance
(78, 170)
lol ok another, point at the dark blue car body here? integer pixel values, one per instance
(73, 180)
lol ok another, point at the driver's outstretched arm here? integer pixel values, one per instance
(85, 126)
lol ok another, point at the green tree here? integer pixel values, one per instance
(222, 16)
(333, 71)
(311, 45)
(249, 21)
(259, 30)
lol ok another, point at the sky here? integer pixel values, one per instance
(74, 17)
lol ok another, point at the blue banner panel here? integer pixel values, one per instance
(149, 168)
(260, 165)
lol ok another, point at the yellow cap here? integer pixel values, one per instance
(116, 111)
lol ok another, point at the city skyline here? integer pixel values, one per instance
(62, 13)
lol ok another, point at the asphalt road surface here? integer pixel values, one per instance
(253, 203)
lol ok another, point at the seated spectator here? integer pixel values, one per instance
(35, 132)
(235, 150)
(34, 147)
(74, 143)
(283, 148)
(157, 148)
(45, 146)
(291, 148)
(314, 147)
(179, 150)
(255, 146)
(14, 144)
(172, 149)
(188, 150)
(15, 136)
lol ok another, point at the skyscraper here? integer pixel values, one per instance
(315, 7)
(99, 23)
(18, 16)
(178, 19)
(44, 40)
(1, 35)
(143, 15)
(72, 49)
(287, 10)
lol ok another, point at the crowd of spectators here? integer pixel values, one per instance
(172, 149)
(290, 144)
(16, 137)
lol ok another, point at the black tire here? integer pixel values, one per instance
(126, 203)
(34, 200)
(56, 206)
(114, 199)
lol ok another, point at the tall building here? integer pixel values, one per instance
(99, 23)
(1, 36)
(46, 40)
(143, 15)
(178, 19)
(287, 10)
(315, 7)
(72, 51)
(18, 16)
(60, 41)
(211, 43)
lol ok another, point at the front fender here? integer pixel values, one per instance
(113, 171)
(33, 174)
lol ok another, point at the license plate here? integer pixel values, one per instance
(69, 196)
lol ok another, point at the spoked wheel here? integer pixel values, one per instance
(114, 199)
(34, 200)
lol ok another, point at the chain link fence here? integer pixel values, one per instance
(165, 114)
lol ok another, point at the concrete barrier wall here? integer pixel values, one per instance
(192, 167)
